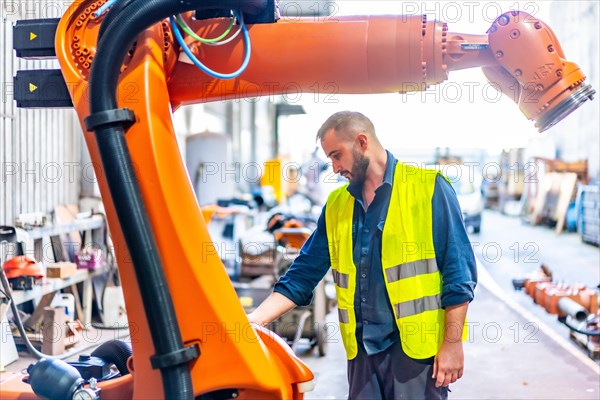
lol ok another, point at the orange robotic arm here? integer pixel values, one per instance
(520, 55)
(162, 243)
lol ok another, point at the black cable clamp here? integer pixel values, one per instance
(177, 357)
(108, 117)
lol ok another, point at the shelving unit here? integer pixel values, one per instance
(589, 214)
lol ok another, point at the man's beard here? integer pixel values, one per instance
(359, 167)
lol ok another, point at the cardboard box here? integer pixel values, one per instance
(61, 270)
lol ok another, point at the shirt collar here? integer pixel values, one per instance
(388, 177)
(390, 169)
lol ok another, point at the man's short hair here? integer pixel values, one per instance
(349, 122)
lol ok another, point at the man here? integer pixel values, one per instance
(403, 269)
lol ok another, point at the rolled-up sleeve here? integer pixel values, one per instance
(308, 268)
(453, 251)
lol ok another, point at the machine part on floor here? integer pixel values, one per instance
(541, 274)
(581, 329)
(54, 379)
(575, 305)
(548, 294)
(115, 352)
(519, 283)
(571, 308)
(90, 393)
(152, 211)
(93, 367)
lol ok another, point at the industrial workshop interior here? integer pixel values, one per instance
(293, 199)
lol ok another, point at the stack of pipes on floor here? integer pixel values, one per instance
(575, 305)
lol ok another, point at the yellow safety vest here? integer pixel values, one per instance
(412, 278)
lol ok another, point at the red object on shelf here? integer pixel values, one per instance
(23, 266)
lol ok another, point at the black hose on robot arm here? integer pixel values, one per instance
(124, 22)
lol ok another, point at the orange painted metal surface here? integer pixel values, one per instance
(374, 54)
(207, 308)
(528, 50)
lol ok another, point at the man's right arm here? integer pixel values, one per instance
(272, 308)
(295, 288)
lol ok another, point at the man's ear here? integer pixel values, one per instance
(362, 140)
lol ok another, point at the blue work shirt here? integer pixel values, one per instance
(376, 326)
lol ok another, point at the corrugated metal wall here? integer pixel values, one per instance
(40, 150)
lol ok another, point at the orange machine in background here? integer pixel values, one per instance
(192, 336)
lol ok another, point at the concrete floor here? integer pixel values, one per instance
(516, 350)
(509, 248)
(504, 359)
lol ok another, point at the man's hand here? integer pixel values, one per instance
(448, 364)
(272, 308)
(450, 360)
(255, 319)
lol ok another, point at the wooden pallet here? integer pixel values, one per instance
(592, 348)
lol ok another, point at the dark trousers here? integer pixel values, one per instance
(391, 375)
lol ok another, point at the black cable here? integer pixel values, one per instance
(117, 9)
(119, 33)
(576, 329)
(32, 350)
(125, 190)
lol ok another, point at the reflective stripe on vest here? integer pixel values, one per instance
(340, 279)
(411, 275)
(411, 269)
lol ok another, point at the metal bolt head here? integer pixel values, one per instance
(499, 54)
(550, 48)
(515, 33)
(518, 72)
(537, 25)
(559, 73)
(92, 383)
(503, 20)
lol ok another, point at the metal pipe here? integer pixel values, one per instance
(573, 309)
